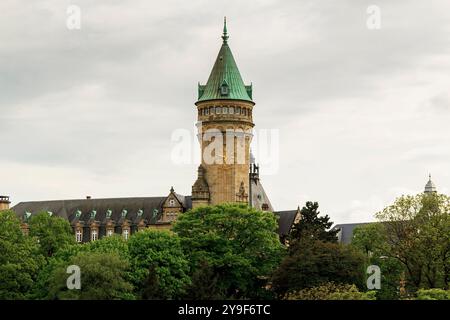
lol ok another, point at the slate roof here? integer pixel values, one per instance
(258, 195)
(285, 221)
(68, 208)
(346, 234)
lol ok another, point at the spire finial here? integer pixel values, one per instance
(225, 33)
(429, 176)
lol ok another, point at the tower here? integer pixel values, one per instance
(430, 187)
(224, 126)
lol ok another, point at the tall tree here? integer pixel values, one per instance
(417, 231)
(160, 253)
(52, 232)
(20, 259)
(312, 263)
(312, 226)
(370, 239)
(103, 277)
(238, 244)
(114, 245)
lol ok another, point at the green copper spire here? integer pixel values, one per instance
(225, 81)
(225, 33)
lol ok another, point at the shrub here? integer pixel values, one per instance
(331, 291)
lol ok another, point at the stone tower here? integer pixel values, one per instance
(224, 126)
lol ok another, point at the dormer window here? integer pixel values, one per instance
(224, 88)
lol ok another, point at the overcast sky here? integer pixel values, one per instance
(363, 115)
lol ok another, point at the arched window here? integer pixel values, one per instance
(94, 235)
(79, 236)
(231, 110)
(238, 110)
(211, 110)
(244, 111)
(218, 110)
(225, 110)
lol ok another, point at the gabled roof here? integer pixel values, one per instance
(225, 73)
(285, 221)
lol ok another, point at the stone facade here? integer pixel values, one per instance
(225, 134)
(4, 203)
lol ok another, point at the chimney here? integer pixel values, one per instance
(4, 203)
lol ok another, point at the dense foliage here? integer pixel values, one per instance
(313, 263)
(417, 234)
(160, 268)
(232, 251)
(52, 232)
(235, 248)
(331, 291)
(20, 259)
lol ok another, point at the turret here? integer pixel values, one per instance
(4, 203)
(225, 124)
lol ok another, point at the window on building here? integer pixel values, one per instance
(172, 202)
(218, 110)
(126, 234)
(78, 236)
(225, 110)
(211, 110)
(94, 235)
(231, 110)
(238, 110)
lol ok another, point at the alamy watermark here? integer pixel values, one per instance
(374, 280)
(227, 146)
(74, 280)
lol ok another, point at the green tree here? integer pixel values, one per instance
(20, 259)
(417, 232)
(313, 263)
(103, 277)
(371, 240)
(52, 232)
(160, 268)
(238, 244)
(114, 245)
(313, 226)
